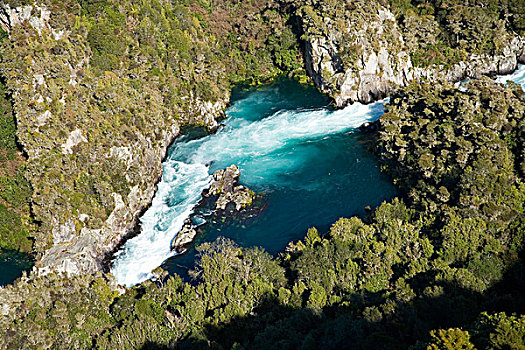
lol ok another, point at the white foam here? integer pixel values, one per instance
(186, 173)
(182, 183)
(518, 76)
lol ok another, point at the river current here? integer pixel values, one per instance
(309, 161)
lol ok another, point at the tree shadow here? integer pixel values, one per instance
(367, 321)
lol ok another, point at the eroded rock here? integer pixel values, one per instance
(184, 237)
(226, 188)
(223, 193)
(361, 56)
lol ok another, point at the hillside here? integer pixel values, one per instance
(94, 91)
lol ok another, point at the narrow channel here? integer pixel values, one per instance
(309, 161)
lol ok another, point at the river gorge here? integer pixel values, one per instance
(310, 163)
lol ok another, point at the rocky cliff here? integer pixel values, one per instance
(94, 143)
(360, 51)
(355, 57)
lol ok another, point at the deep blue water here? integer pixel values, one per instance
(340, 178)
(308, 161)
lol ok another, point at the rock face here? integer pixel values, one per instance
(184, 237)
(37, 17)
(226, 188)
(361, 62)
(362, 55)
(99, 137)
(479, 65)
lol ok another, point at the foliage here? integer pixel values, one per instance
(420, 271)
(15, 190)
(443, 32)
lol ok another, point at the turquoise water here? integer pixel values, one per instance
(518, 76)
(307, 160)
(339, 178)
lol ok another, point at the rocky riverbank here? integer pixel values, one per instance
(95, 143)
(97, 104)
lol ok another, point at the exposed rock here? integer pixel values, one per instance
(37, 16)
(185, 236)
(224, 186)
(224, 180)
(241, 196)
(362, 56)
(73, 140)
(64, 233)
(207, 113)
(123, 153)
(479, 65)
(362, 63)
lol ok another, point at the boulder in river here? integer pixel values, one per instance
(226, 187)
(185, 236)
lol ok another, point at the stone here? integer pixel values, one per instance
(372, 73)
(184, 237)
(73, 140)
(224, 180)
(224, 186)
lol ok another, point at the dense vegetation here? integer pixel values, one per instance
(440, 267)
(15, 191)
(446, 32)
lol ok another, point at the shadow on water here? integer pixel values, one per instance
(13, 264)
(274, 326)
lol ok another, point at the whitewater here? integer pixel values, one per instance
(518, 76)
(264, 149)
(252, 145)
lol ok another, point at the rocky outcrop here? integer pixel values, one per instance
(84, 251)
(223, 191)
(226, 187)
(479, 65)
(360, 61)
(36, 16)
(185, 236)
(362, 55)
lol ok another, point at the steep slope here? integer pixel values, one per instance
(101, 89)
(358, 50)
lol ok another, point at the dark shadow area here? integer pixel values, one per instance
(368, 321)
(13, 264)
